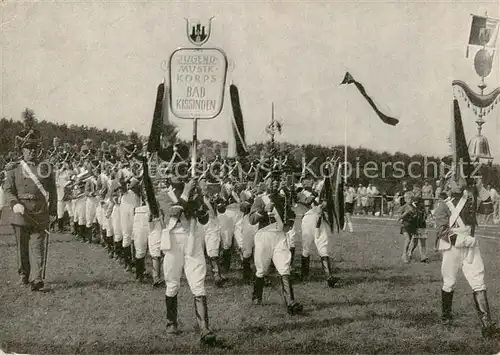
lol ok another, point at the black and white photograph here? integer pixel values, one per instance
(249, 177)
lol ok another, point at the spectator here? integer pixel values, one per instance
(359, 207)
(407, 216)
(394, 204)
(350, 197)
(372, 193)
(420, 236)
(427, 195)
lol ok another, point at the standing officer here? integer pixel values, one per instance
(31, 192)
(455, 220)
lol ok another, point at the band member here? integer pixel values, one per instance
(227, 221)
(131, 198)
(274, 218)
(183, 209)
(113, 213)
(315, 230)
(211, 232)
(455, 220)
(91, 202)
(63, 178)
(408, 220)
(30, 190)
(244, 232)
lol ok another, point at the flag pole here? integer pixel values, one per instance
(345, 148)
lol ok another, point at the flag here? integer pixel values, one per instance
(339, 199)
(236, 145)
(348, 79)
(460, 152)
(154, 141)
(483, 32)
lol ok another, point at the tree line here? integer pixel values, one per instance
(383, 169)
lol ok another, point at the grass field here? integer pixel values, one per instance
(381, 306)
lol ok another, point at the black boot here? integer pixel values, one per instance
(216, 271)
(89, 233)
(446, 305)
(60, 225)
(82, 232)
(74, 228)
(287, 291)
(247, 270)
(201, 312)
(110, 246)
(327, 267)
(292, 252)
(171, 305)
(103, 238)
(226, 260)
(96, 237)
(258, 290)
(140, 268)
(304, 268)
(488, 327)
(118, 251)
(127, 258)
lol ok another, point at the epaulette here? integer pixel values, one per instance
(11, 165)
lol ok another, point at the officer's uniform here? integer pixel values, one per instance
(33, 188)
(455, 219)
(271, 245)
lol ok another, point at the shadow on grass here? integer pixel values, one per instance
(100, 283)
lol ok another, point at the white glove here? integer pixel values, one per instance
(18, 208)
(469, 242)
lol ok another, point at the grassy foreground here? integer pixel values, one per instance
(381, 305)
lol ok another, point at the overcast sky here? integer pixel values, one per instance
(99, 64)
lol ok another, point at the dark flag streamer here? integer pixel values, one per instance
(239, 147)
(459, 145)
(339, 199)
(154, 141)
(348, 79)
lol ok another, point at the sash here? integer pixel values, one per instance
(37, 182)
(463, 231)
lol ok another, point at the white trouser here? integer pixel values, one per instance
(244, 233)
(154, 239)
(63, 206)
(116, 223)
(99, 213)
(140, 231)
(210, 234)
(271, 244)
(290, 236)
(312, 235)
(80, 205)
(73, 208)
(455, 259)
(106, 222)
(177, 258)
(227, 222)
(91, 210)
(128, 203)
